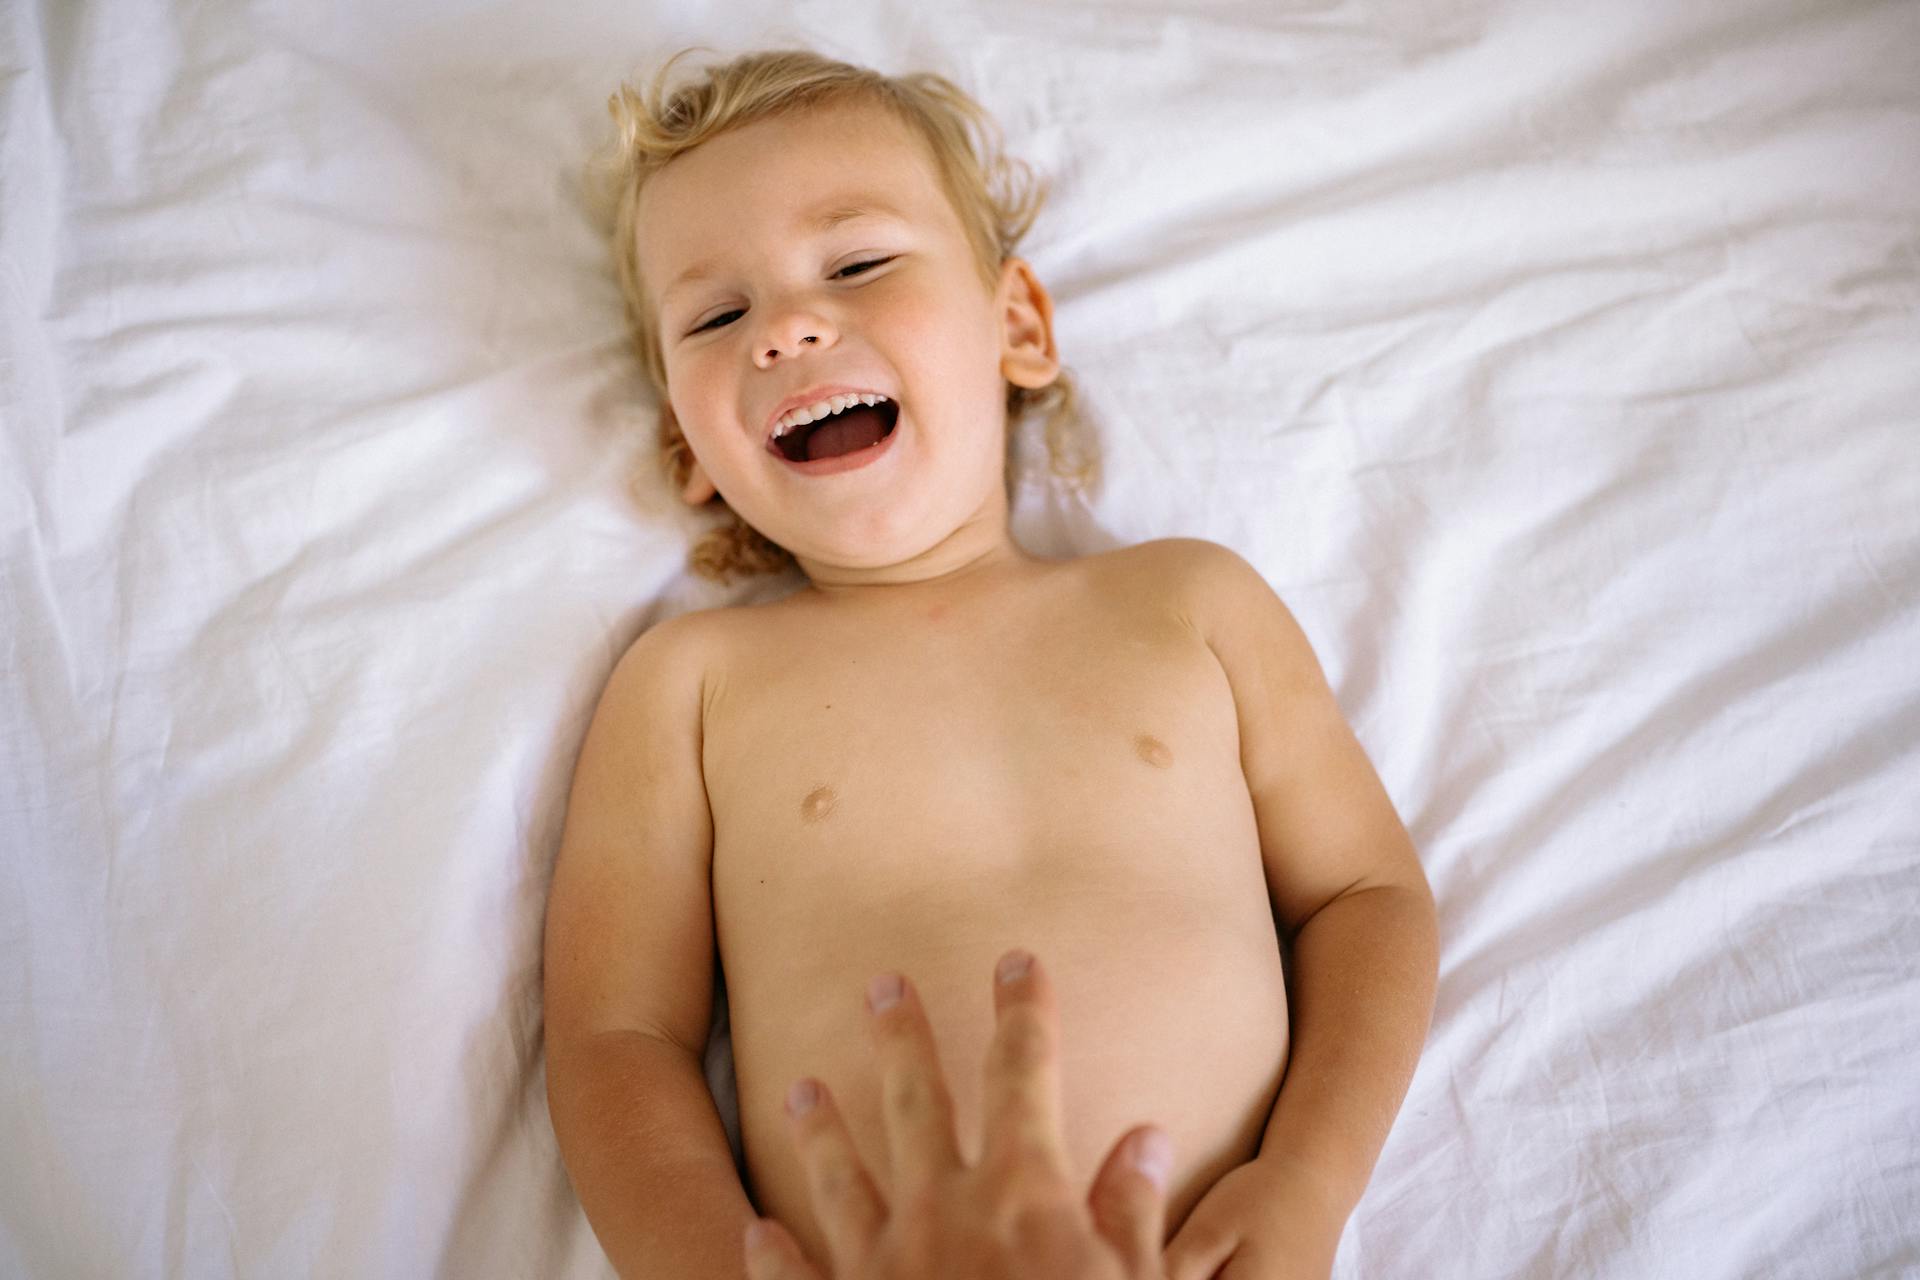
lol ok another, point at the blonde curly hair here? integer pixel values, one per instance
(985, 187)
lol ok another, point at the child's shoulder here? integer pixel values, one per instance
(1196, 572)
(1185, 554)
(1228, 601)
(676, 635)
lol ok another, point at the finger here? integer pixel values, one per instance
(915, 1104)
(1129, 1196)
(845, 1202)
(1201, 1248)
(773, 1253)
(1022, 1084)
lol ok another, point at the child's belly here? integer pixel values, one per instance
(1172, 1010)
(1150, 911)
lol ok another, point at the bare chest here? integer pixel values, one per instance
(889, 757)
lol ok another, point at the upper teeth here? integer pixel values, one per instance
(822, 409)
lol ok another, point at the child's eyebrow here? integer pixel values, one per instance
(823, 216)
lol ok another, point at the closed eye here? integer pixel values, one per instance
(850, 267)
(862, 266)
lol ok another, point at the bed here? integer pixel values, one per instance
(1558, 364)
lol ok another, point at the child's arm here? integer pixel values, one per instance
(1348, 889)
(629, 979)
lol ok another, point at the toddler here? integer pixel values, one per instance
(941, 747)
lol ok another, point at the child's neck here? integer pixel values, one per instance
(956, 564)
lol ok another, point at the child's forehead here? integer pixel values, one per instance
(766, 156)
(796, 173)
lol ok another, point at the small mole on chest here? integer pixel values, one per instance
(818, 804)
(1153, 751)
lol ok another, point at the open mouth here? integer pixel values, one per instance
(852, 429)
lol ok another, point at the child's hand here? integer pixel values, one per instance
(1266, 1220)
(1015, 1214)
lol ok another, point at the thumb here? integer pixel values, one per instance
(773, 1254)
(1129, 1197)
(1204, 1244)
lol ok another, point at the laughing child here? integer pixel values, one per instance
(941, 747)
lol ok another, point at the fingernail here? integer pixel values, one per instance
(801, 1097)
(1153, 1156)
(1013, 966)
(883, 992)
(757, 1233)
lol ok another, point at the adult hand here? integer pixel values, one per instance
(1013, 1215)
(1269, 1219)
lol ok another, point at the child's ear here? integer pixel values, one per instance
(699, 490)
(1028, 357)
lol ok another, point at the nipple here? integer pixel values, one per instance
(818, 804)
(1153, 751)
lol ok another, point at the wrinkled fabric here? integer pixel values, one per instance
(1559, 365)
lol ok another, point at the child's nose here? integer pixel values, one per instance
(773, 353)
(789, 325)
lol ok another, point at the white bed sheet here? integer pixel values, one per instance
(1558, 363)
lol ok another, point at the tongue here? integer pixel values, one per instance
(855, 428)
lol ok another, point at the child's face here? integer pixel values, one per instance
(922, 328)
